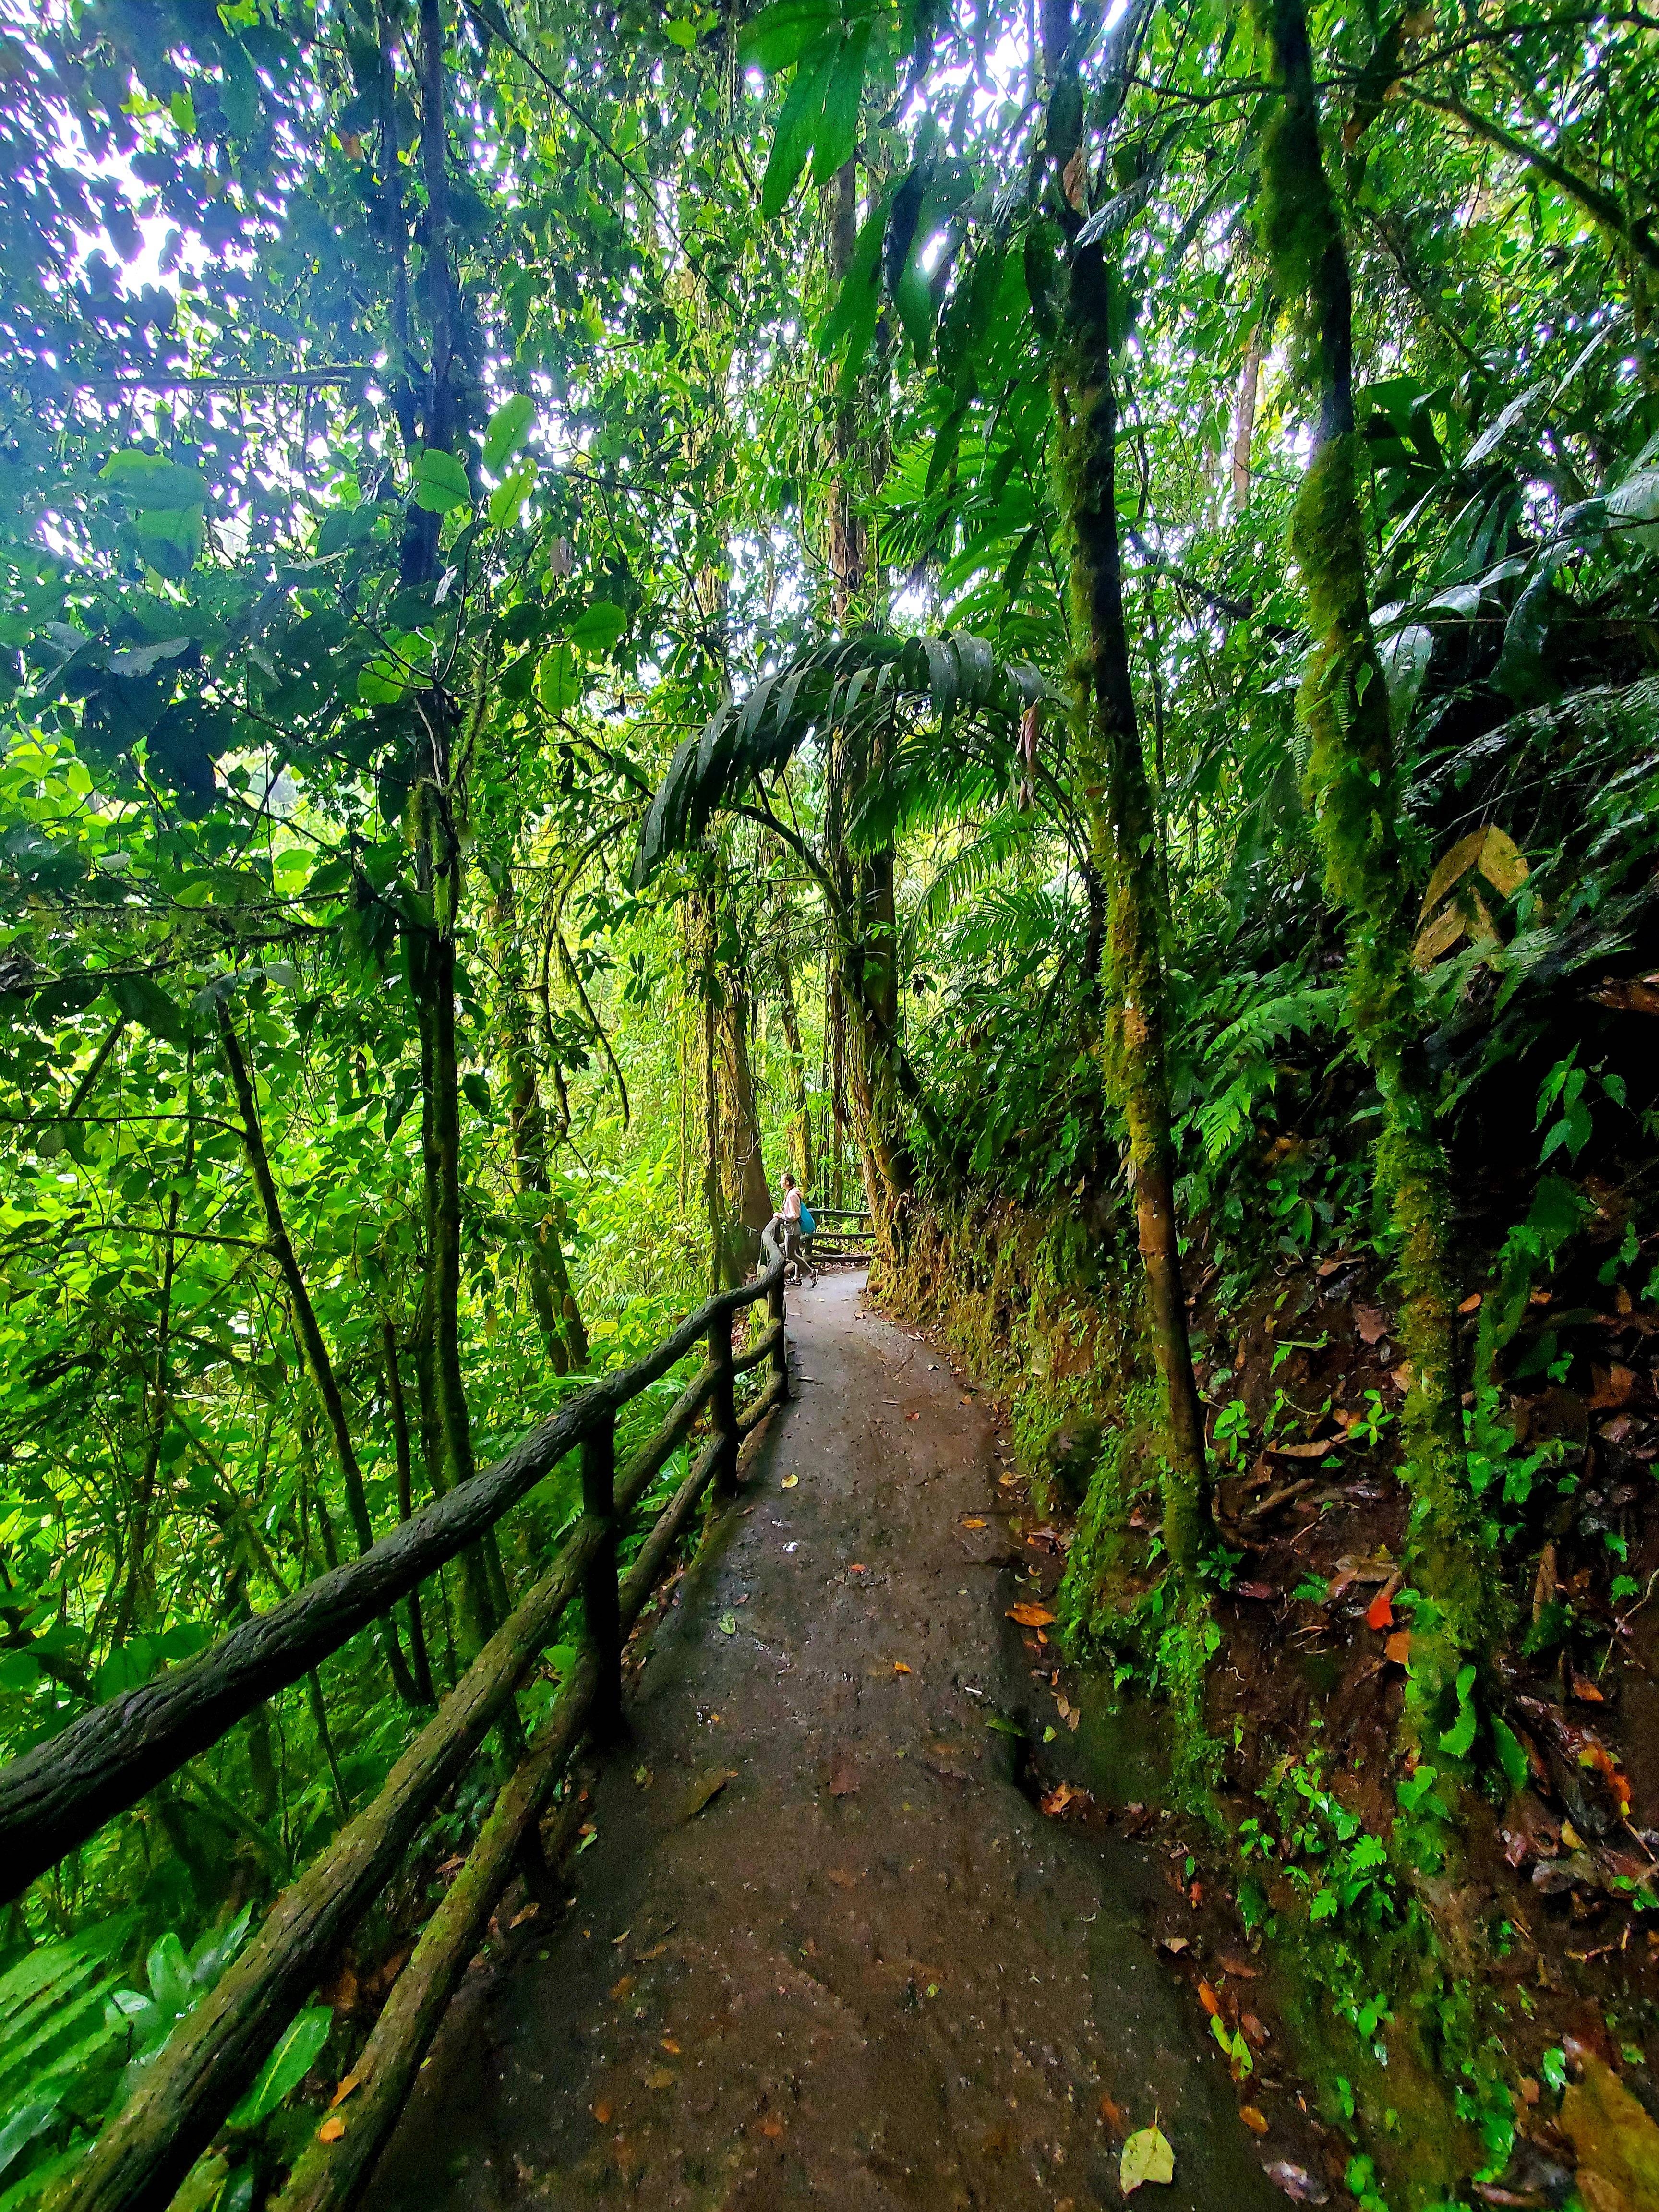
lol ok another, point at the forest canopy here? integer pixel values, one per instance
(1040, 615)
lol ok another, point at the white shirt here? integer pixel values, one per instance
(791, 1208)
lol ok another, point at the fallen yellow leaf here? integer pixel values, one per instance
(899, 1666)
(1254, 2121)
(789, 1482)
(331, 2130)
(1030, 1616)
(973, 1522)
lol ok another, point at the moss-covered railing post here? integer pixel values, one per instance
(1353, 782)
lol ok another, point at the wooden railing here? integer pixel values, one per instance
(63, 1791)
(843, 1232)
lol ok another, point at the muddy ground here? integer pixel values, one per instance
(823, 1944)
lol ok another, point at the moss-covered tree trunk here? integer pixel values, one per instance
(558, 1316)
(800, 1119)
(1122, 821)
(865, 966)
(1353, 782)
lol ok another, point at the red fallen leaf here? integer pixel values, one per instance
(1379, 1613)
(1030, 1616)
(1208, 1999)
(1254, 2033)
(1231, 1963)
(1586, 1692)
(1195, 1895)
(1113, 2115)
(913, 1417)
(1266, 1591)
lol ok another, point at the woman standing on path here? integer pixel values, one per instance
(785, 1229)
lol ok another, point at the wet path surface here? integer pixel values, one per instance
(824, 1949)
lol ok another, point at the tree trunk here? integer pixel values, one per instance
(800, 1118)
(557, 1314)
(1249, 381)
(748, 1196)
(398, 1413)
(1123, 838)
(1353, 782)
(313, 1350)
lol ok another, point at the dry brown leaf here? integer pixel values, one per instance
(1058, 1801)
(1030, 1616)
(1398, 1648)
(843, 1773)
(842, 1880)
(662, 2078)
(601, 2114)
(1471, 1303)
(623, 1990)
(1317, 1450)
(704, 1790)
(1372, 1322)
(771, 2127)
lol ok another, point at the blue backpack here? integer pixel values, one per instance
(807, 1224)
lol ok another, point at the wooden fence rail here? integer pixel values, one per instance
(63, 1790)
(144, 2152)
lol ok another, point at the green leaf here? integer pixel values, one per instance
(476, 1088)
(441, 482)
(598, 627)
(838, 131)
(507, 430)
(778, 37)
(510, 494)
(1147, 2156)
(1511, 1757)
(727, 1624)
(150, 481)
(145, 1002)
(559, 680)
(287, 2066)
(798, 125)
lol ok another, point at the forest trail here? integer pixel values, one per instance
(867, 1971)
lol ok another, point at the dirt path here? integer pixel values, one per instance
(867, 1971)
